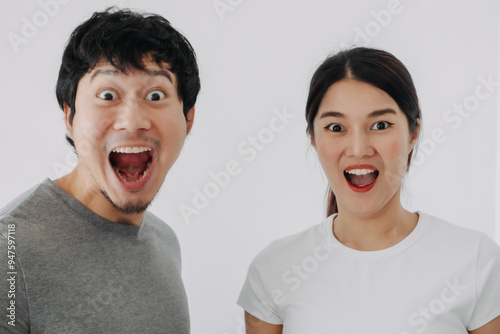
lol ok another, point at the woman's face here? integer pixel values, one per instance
(363, 142)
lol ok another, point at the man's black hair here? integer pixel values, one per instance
(123, 38)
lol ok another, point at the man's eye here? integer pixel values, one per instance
(381, 125)
(156, 95)
(108, 95)
(335, 127)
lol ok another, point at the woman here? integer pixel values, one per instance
(371, 266)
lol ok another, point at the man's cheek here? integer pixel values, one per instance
(85, 141)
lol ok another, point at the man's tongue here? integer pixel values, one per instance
(131, 167)
(361, 180)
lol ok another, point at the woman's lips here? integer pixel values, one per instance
(361, 178)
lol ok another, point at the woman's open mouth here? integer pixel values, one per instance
(131, 165)
(361, 178)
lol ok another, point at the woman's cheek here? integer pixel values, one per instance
(397, 156)
(326, 152)
(329, 155)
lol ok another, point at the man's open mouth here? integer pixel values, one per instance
(361, 177)
(131, 164)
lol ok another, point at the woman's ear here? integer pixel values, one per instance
(414, 136)
(313, 140)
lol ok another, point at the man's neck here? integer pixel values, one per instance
(95, 201)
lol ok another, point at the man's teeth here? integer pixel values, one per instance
(131, 149)
(360, 171)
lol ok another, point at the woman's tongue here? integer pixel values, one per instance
(130, 166)
(361, 180)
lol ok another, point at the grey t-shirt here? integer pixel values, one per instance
(76, 272)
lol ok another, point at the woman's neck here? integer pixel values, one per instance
(376, 231)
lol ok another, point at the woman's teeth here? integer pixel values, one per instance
(360, 171)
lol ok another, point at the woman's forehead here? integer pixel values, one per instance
(350, 98)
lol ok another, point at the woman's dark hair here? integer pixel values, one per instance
(124, 38)
(375, 67)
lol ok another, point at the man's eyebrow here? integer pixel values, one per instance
(114, 72)
(373, 114)
(98, 72)
(164, 73)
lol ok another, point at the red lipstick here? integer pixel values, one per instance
(365, 187)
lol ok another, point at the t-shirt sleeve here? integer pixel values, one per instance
(487, 305)
(256, 296)
(13, 298)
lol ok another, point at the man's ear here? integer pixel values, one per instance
(190, 119)
(67, 121)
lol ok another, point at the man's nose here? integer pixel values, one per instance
(131, 117)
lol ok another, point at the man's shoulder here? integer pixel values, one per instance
(28, 202)
(158, 227)
(154, 221)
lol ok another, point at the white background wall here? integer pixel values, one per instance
(255, 58)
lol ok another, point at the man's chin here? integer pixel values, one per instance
(127, 207)
(130, 208)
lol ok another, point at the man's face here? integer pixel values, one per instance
(128, 130)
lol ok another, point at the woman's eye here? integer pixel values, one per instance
(381, 125)
(108, 95)
(335, 127)
(156, 95)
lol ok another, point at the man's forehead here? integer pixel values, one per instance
(150, 67)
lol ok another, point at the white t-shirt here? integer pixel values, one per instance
(441, 279)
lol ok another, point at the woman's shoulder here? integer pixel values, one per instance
(440, 227)
(450, 235)
(296, 244)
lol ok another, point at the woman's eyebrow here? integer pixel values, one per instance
(381, 112)
(373, 114)
(332, 114)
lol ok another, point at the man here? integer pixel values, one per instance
(81, 254)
